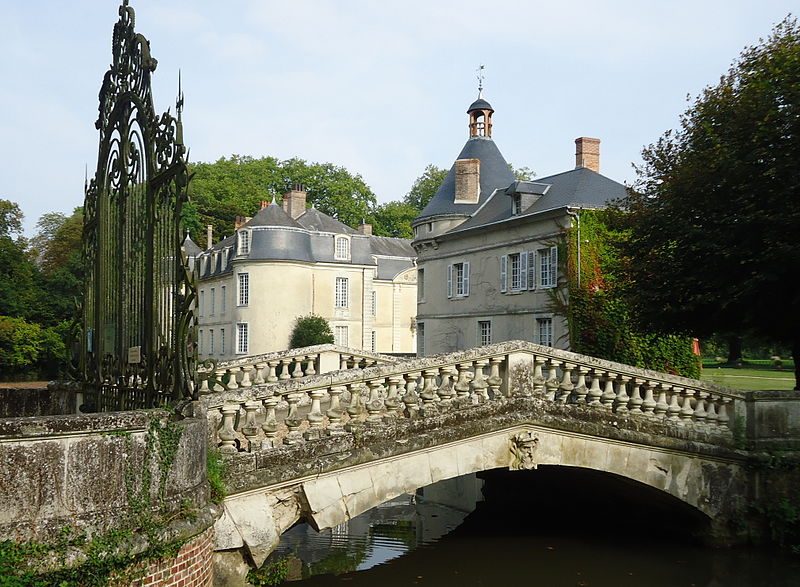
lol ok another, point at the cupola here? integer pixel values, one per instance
(480, 118)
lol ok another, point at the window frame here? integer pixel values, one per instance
(243, 242)
(458, 280)
(343, 255)
(341, 335)
(484, 336)
(243, 285)
(548, 339)
(341, 292)
(242, 342)
(548, 267)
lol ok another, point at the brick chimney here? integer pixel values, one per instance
(294, 201)
(365, 228)
(240, 221)
(264, 204)
(468, 181)
(209, 236)
(587, 153)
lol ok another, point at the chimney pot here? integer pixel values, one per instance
(587, 153)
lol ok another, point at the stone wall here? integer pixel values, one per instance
(18, 402)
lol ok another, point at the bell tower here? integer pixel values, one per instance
(480, 112)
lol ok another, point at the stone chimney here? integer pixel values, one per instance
(587, 153)
(241, 221)
(365, 228)
(294, 201)
(209, 236)
(468, 181)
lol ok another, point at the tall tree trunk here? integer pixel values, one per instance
(734, 348)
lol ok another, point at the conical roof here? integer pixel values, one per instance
(272, 215)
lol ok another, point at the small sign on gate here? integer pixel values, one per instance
(134, 355)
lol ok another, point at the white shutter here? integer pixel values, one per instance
(466, 278)
(523, 271)
(531, 269)
(449, 281)
(503, 273)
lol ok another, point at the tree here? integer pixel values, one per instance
(309, 331)
(715, 214)
(18, 274)
(523, 173)
(394, 219)
(20, 345)
(425, 186)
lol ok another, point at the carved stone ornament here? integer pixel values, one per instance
(523, 452)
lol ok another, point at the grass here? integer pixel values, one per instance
(753, 376)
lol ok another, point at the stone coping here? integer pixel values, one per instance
(216, 399)
(45, 426)
(309, 350)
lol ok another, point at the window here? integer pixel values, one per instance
(484, 332)
(548, 267)
(242, 342)
(221, 341)
(222, 299)
(341, 292)
(244, 242)
(516, 204)
(518, 266)
(210, 342)
(202, 302)
(244, 289)
(213, 302)
(340, 335)
(374, 303)
(374, 341)
(544, 334)
(200, 343)
(458, 280)
(342, 248)
(420, 339)
(420, 285)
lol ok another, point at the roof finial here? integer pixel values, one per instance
(480, 80)
(179, 99)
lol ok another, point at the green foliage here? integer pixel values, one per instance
(601, 322)
(237, 185)
(715, 215)
(20, 345)
(394, 219)
(310, 330)
(783, 518)
(269, 574)
(425, 187)
(10, 219)
(522, 173)
(215, 468)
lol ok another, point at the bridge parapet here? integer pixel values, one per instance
(290, 412)
(282, 366)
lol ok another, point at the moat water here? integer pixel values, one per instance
(548, 528)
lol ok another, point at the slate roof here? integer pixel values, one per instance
(272, 215)
(494, 173)
(313, 219)
(480, 104)
(391, 247)
(577, 188)
(190, 247)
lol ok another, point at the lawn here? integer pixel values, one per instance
(749, 378)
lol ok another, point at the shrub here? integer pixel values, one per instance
(310, 330)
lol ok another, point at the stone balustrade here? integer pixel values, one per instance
(282, 366)
(295, 410)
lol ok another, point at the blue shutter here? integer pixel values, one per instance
(523, 271)
(503, 273)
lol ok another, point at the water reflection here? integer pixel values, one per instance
(553, 527)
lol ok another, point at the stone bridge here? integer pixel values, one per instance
(326, 447)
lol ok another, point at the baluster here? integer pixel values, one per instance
(245, 382)
(711, 411)
(285, 375)
(446, 392)
(203, 389)
(232, 384)
(636, 400)
(494, 380)
(480, 389)
(259, 373)
(297, 371)
(273, 374)
(311, 365)
(662, 408)
(565, 387)
(250, 430)
(375, 405)
(334, 412)
(354, 409)
(462, 385)
(594, 391)
(700, 413)
(551, 385)
(622, 399)
(538, 378)
(428, 393)
(392, 402)
(342, 362)
(227, 433)
(315, 418)
(410, 397)
(687, 411)
(722, 415)
(270, 425)
(293, 420)
(581, 390)
(608, 397)
(649, 402)
(674, 409)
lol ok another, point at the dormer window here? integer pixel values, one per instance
(244, 242)
(342, 248)
(516, 204)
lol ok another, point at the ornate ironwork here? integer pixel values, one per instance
(139, 338)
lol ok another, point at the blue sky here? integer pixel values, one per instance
(378, 87)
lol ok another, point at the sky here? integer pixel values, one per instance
(380, 88)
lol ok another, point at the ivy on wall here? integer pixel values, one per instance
(601, 323)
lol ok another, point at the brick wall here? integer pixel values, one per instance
(191, 568)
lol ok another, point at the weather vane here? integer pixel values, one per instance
(480, 80)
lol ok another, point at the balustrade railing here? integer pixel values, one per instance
(291, 409)
(282, 366)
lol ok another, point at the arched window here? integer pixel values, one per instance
(342, 250)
